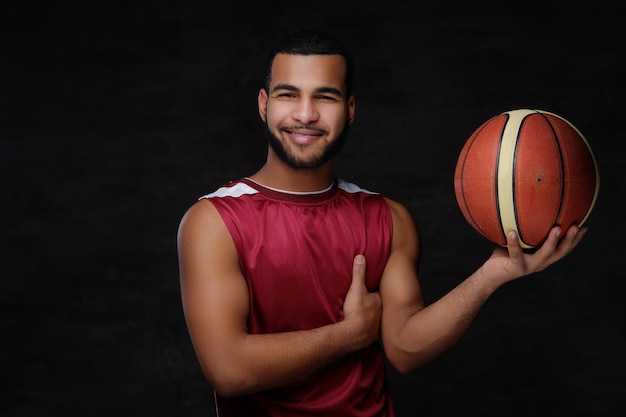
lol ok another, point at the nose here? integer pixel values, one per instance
(305, 111)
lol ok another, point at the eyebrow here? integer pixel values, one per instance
(289, 87)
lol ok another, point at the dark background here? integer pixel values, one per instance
(116, 116)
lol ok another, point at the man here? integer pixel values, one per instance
(290, 278)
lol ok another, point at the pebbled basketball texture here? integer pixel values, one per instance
(526, 170)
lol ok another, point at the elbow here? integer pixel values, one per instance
(407, 362)
(405, 366)
(226, 389)
(229, 387)
(228, 382)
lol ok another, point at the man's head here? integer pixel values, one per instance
(307, 103)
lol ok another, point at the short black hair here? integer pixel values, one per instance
(311, 42)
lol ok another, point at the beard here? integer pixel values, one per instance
(294, 162)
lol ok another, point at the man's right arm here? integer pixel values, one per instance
(215, 303)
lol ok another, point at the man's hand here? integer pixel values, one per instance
(362, 309)
(507, 264)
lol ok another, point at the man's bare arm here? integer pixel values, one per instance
(413, 333)
(215, 302)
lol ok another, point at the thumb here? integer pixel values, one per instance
(358, 270)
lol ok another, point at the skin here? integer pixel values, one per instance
(306, 109)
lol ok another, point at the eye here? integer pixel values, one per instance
(285, 95)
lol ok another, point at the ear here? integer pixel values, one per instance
(351, 109)
(262, 103)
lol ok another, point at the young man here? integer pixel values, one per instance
(290, 277)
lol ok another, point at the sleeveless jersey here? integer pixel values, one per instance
(296, 252)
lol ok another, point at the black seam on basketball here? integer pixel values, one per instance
(520, 236)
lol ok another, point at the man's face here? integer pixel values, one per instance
(306, 112)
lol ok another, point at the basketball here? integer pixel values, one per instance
(527, 171)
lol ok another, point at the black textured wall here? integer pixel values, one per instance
(115, 118)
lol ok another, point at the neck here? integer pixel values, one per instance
(276, 174)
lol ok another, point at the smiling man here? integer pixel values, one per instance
(293, 281)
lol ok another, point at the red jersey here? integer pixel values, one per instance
(296, 252)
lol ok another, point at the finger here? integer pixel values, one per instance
(553, 249)
(572, 238)
(553, 239)
(580, 234)
(513, 246)
(358, 270)
(548, 249)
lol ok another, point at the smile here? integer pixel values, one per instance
(303, 134)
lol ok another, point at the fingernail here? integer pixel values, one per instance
(359, 259)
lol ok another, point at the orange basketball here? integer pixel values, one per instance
(525, 170)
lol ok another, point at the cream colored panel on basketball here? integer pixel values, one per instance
(506, 165)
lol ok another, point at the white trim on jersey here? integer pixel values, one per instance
(236, 190)
(352, 188)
